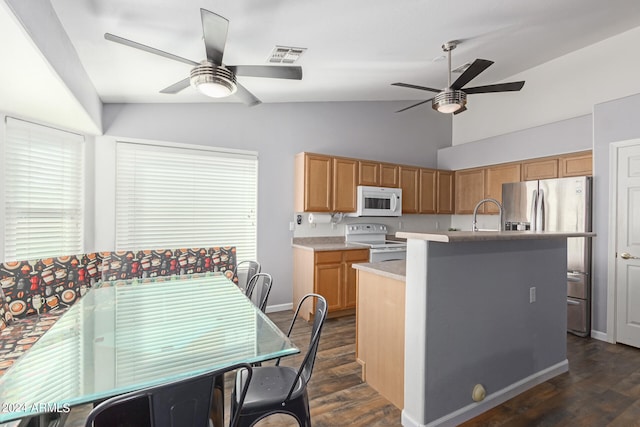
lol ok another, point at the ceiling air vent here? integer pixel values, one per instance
(286, 54)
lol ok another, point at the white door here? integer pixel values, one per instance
(628, 246)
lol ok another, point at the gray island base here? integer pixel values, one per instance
(482, 309)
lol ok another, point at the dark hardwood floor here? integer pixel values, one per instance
(601, 389)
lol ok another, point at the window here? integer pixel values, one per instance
(169, 197)
(43, 176)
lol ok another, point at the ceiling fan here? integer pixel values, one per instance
(453, 98)
(210, 76)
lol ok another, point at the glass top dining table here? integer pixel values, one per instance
(128, 335)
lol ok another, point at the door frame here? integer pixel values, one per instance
(612, 309)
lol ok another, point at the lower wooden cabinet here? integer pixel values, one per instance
(328, 273)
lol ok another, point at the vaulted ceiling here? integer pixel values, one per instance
(355, 49)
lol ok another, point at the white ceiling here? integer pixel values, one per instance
(356, 48)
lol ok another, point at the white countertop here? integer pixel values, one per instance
(474, 236)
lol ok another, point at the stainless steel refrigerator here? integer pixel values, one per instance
(562, 204)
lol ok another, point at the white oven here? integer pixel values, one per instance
(378, 201)
(374, 236)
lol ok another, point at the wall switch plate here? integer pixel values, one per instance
(532, 295)
(292, 226)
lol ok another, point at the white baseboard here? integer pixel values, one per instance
(602, 336)
(279, 307)
(473, 410)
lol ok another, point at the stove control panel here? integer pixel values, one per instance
(366, 229)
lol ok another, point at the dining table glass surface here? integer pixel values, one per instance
(128, 335)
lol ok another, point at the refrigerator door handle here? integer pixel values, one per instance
(534, 209)
(540, 211)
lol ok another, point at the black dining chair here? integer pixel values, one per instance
(258, 290)
(280, 389)
(183, 403)
(244, 271)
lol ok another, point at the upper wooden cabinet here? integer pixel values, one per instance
(445, 192)
(539, 169)
(409, 183)
(313, 183)
(577, 164)
(469, 184)
(325, 183)
(495, 176)
(389, 175)
(345, 179)
(428, 191)
(368, 173)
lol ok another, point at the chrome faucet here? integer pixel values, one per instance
(475, 213)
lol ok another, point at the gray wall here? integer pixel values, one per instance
(368, 130)
(561, 137)
(612, 122)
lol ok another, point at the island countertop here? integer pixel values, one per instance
(396, 270)
(478, 236)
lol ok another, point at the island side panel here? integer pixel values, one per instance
(379, 337)
(481, 326)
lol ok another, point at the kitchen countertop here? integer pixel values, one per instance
(477, 236)
(324, 244)
(396, 270)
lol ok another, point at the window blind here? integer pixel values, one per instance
(168, 197)
(43, 175)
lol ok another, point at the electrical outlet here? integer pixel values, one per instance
(532, 295)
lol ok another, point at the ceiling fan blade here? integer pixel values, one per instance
(478, 66)
(177, 87)
(414, 105)
(500, 87)
(430, 89)
(214, 30)
(464, 108)
(136, 45)
(246, 96)
(271, 71)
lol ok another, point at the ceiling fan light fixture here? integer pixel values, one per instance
(213, 81)
(449, 101)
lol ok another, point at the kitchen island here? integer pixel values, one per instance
(485, 320)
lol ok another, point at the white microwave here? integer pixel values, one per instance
(378, 201)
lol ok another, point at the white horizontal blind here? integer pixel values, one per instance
(169, 197)
(43, 175)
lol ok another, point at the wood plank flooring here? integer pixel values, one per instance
(601, 389)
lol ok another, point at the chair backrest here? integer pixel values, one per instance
(184, 403)
(260, 285)
(320, 315)
(244, 271)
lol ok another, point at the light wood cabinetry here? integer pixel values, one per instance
(469, 190)
(409, 183)
(389, 175)
(428, 191)
(324, 183)
(539, 169)
(345, 178)
(368, 173)
(379, 336)
(495, 176)
(328, 273)
(445, 192)
(577, 164)
(313, 183)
